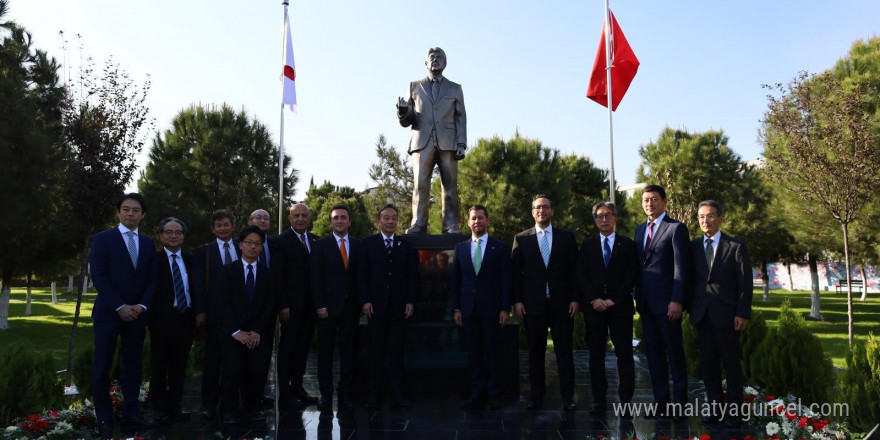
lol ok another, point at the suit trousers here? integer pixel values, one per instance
(386, 343)
(423, 168)
(663, 339)
(107, 333)
(720, 347)
(293, 351)
(597, 327)
(561, 326)
(244, 373)
(337, 332)
(483, 336)
(170, 343)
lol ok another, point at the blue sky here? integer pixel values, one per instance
(522, 64)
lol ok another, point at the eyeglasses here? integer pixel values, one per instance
(172, 233)
(709, 217)
(542, 207)
(603, 216)
(260, 217)
(252, 243)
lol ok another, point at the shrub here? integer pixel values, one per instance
(82, 370)
(27, 382)
(860, 384)
(749, 341)
(791, 360)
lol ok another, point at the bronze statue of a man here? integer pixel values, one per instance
(434, 108)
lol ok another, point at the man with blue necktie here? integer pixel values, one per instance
(123, 270)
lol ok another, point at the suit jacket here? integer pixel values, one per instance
(530, 276)
(117, 280)
(233, 305)
(332, 285)
(388, 280)
(163, 303)
(290, 264)
(724, 291)
(665, 268)
(446, 115)
(206, 276)
(485, 294)
(616, 282)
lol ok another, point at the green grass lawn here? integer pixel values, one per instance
(832, 329)
(49, 326)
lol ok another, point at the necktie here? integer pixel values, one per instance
(435, 89)
(132, 249)
(478, 257)
(179, 291)
(343, 252)
(302, 238)
(545, 248)
(265, 254)
(650, 236)
(606, 251)
(227, 257)
(709, 252)
(250, 283)
(388, 246)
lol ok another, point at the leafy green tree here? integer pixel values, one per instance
(820, 146)
(587, 187)
(321, 198)
(30, 158)
(213, 158)
(393, 175)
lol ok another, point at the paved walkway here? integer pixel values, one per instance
(441, 418)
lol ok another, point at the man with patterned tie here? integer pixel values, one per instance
(206, 284)
(172, 322)
(297, 313)
(607, 268)
(479, 295)
(123, 270)
(334, 262)
(388, 277)
(663, 250)
(246, 304)
(545, 296)
(720, 310)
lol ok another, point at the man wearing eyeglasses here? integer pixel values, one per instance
(607, 269)
(722, 306)
(172, 322)
(260, 219)
(545, 296)
(246, 307)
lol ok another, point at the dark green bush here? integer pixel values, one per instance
(691, 346)
(860, 384)
(82, 370)
(791, 360)
(27, 382)
(749, 341)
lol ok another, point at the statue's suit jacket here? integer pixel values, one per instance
(447, 115)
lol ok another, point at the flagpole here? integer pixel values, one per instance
(608, 65)
(281, 141)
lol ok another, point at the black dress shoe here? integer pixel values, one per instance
(104, 430)
(735, 423)
(178, 415)
(400, 403)
(597, 408)
(570, 406)
(492, 405)
(534, 404)
(231, 418)
(256, 416)
(472, 402)
(139, 421)
(208, 413)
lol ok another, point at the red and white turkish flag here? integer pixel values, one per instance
(624, 65)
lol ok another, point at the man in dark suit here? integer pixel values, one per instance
(172, 322)
(334, 261)
(720, 309)
(607, 269)
(479, 295)
(206, 285)
(662, 246)
(388, 276)
(545, 295)
(260, 219)
(123, 270)
(434, 107)
(297, 312)
(246, 306)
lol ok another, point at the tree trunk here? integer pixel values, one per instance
(864, 283)
(849, 309)
(83, 270)
(766, 277)
(70, 284)
(5, 292)
(815, 309)
(27, 303)
(54, 292)
(790, 279)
